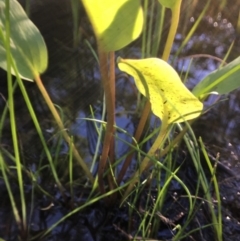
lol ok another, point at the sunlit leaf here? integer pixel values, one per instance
(28, 48)
(116, 23)
(168, 3)
(221, 81)
(161, 84)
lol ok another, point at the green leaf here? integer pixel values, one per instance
(161, 84)
(116, 23)
(28, 48)
(168, 3)
(221, 81)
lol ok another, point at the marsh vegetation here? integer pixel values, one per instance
(86, 152)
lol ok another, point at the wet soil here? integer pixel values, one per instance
(99, 221)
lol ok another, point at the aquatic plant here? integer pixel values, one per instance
(23, 54)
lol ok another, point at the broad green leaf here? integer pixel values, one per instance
(161, 84)
(28, 48)
(168, 3)
(116, 23)
(221, 81)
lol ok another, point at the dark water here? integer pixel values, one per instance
(74, 84)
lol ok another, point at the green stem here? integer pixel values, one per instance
(146, 161)
(39, 130)
(149, 28)
(13, 119)
(144, 33)
(159, 30)
(10, 193)
(216, 216)
(62, 128)
(167, 50)
(75, 13)
(193, 29)
(35, 121)
(173, 29)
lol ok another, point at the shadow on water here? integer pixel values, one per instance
(73, 82)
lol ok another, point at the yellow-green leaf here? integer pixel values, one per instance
(161, 84)
(116, 23)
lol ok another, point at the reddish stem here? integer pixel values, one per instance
(137, 136)
(109, 89)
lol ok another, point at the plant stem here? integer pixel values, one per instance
(159, 30)
(111, 181)
(10, 193)
(216, 216)
(137, 137)
(147, 108)
(173, 29)
(13, 123)
(38, 129)
(145, 162)
(75, 12)
(144, 33)
(62, 128)
(109, 89)
(193, 29)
